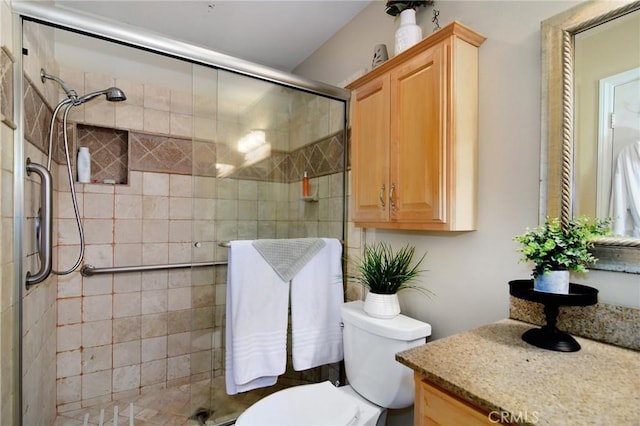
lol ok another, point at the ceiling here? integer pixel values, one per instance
(278, 34)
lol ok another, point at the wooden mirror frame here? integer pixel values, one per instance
(557, 117)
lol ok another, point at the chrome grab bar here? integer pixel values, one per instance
(44, 229)
(90, 270)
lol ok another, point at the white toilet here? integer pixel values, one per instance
(376, 380)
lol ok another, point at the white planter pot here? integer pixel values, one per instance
(408, 33)
(385, 306)
(552, 282)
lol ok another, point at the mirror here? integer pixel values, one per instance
(562, 160)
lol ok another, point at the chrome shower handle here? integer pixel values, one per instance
(45, 217)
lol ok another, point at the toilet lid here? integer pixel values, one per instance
(314, 404)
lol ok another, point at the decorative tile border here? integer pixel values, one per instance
(6, 85)
(37, 116)
(163, 154)
(168, 154)
(616, 325)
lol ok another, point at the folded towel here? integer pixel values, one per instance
(256, 322)
(316, 297)
(288, 256)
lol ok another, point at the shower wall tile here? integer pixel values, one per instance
(155, 207)
(181, 125)
(154, 325)
(96, 384)
(127, 231)
(127, 254)
(127, 282)
(156, 121)
(129, 116)
(133, 187)
(180, 208)
(128, 206)
(98, 231)
(95, 308)
(126, 305)
(69, 311)
(97, 359)
(100, 113)
(154, 348)
(158, 98)
(69, 337)
(96, 333)
(133, 89)
(181, 102)
(204, 128)
(125, 354)
(155, 231)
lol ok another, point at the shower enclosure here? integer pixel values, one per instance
(205, 149)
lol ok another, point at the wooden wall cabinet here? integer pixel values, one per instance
(435, 406)
(414, 126)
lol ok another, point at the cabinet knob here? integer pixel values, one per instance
(381, 196)
(392, 190)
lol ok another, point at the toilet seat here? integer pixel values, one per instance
(313, 404)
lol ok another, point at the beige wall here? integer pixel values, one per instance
(469, 271)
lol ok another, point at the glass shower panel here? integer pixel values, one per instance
(199, 157)
(262, 138)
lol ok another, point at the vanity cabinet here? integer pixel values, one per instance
(414, 125)
(435, 406)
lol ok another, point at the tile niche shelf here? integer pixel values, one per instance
(109, 150)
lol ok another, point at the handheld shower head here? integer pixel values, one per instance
(71, 94)
(113, 94)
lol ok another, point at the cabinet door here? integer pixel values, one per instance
(434, 407)
(418, 139)
(370, 150)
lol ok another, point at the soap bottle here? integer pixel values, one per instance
(84, 165)
(306, 189)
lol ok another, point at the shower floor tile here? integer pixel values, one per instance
(173, 406)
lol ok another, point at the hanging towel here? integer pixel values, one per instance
(256, 322)
(288, 256)
(316, 297)
(625, 192)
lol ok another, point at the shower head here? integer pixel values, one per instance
(71, 94)
(113, 94)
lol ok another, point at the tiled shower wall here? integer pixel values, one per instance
(9, 374)
(129, 333)
(39, 302)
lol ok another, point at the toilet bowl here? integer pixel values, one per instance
(312, 404)
(376, 380)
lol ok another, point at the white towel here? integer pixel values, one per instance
(256, 322)
(625, 192)
(316, 297)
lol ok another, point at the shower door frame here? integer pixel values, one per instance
(156, 43)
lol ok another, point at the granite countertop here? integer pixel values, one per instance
(494, 369)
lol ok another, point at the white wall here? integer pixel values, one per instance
(469, 271)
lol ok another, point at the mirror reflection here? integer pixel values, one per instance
(607, 123)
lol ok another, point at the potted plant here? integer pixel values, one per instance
(408, 33)
(555, 250)
(395, 7)
(384, 273)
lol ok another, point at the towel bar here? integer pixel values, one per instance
(89, 270)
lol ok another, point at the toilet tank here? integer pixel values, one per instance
(370, 346)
